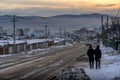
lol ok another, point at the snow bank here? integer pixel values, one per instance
(7, 55)
(107, 72)
(37, 51)
(108, 50)
(110, 66)
(71, 73)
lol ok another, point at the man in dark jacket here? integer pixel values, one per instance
(90, 54)
(97, 56)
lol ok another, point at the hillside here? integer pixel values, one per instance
(70, 22)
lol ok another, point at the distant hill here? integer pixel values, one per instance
(19, 17)
(67, 21)
(80, 16)
(58, 16)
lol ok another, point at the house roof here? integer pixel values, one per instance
(31, 41)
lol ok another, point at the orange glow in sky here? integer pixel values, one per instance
(56, 5)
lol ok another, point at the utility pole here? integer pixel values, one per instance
(60, 33)
(65, 33)
(14, 21)
(102, 27)
(107, 29)
(87, 36)
(46, 33)
(98, 35)
(65, 36)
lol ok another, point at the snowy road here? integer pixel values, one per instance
(40, 66)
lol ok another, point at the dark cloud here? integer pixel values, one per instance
(105, 5)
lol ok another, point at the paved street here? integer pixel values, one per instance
(40, 67)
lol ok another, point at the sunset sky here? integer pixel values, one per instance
(56, 7)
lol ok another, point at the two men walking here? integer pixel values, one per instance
(94, 55)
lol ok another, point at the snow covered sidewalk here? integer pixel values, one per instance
(110, 66)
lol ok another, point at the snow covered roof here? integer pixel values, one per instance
(56, 40)
(7, 42)
(37, 41)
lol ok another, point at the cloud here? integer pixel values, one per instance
(106, 5)
(45, 4)
(51, 4)
(53, 7)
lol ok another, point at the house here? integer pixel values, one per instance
(39, 43)
(35, 44)
(6, 46)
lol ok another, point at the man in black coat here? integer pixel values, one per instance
(90, 54)
(97, 56)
